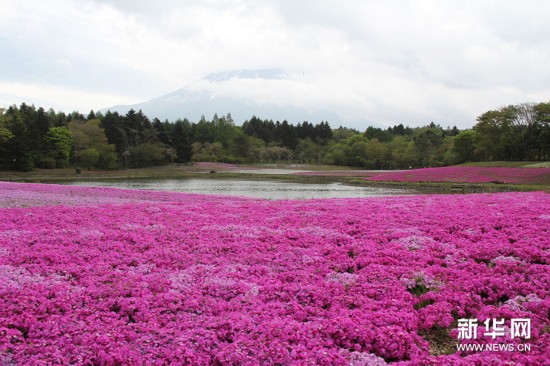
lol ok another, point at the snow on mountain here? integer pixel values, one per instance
(273, 74)
(264, 93)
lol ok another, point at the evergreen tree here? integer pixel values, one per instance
(181, 141)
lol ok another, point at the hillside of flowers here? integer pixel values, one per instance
(20, 195)
(155, 278)
(468, 174)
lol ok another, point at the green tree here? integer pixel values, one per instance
(410, 157)
(275, 153)
(88, 158)
(149, 154)
(323, 133)
(465, 146)
(241, 145)
(113, 125)
(541, 133)
(426, 141)
(203, 131)
(308, 152)
(224, 130)
(208, 152)
(397, 148)
(514, 132)
(91, 148)
(58, 142)
(287, 135)
(162, 131)
(358, 154)
(493, 134)
(180, 136)
(443, 154)
(378, 155)
(18, 150)
(337, 154)
(5, 136)
(379, 134)
(343, 133)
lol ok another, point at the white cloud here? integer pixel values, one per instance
(59, 98)
(387, 62)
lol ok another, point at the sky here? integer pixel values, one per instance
(387, 62)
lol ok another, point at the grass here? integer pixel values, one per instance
(447, 187)
(544, 164)
(173, 172)
(313, 167)
(50, 175)
(441, 342)
(510, 164)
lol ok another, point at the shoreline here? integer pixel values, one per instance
(318, 176)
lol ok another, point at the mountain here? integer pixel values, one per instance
(234, 92)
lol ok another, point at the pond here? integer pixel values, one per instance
(252, 188)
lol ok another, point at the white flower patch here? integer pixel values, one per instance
(517, 303)
(245, 231)
(421, 278)
(415, 242)
(91, 234)
(366, 359)
(14, 233)
(344, 278)
(502, 258)
(181, 281)
(153, 210)
(11, 276)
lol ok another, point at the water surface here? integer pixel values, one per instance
(251, 188)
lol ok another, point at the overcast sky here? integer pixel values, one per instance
(388, 62)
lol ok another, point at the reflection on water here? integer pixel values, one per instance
(249, 188)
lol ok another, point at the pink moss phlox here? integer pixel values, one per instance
(466, 174)
(167, 278)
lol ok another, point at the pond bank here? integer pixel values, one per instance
(322, 175)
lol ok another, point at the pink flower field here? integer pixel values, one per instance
(468, 174)
(97, 276)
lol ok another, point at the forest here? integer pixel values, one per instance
(32, 137)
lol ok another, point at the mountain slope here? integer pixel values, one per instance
(232, 92)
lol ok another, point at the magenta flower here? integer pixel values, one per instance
(467, 174)
(119, 277)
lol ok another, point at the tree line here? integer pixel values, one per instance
(33, 137)
(516, 132)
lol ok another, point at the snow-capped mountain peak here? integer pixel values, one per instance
(231, 92)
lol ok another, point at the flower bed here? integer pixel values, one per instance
(34, 195)
(467, 174)
(222, 280)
